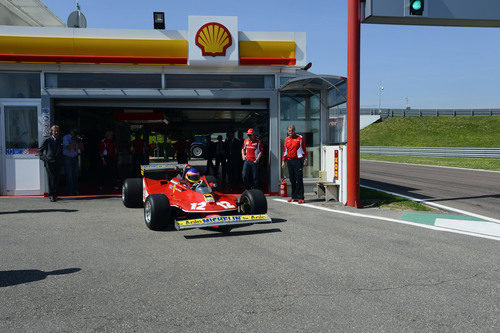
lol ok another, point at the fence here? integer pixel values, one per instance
(433, 151)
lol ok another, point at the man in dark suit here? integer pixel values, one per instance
(51, 155)
(234, 160)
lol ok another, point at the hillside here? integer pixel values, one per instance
(477, 131)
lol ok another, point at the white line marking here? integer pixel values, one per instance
(433, 166)
(484, 228)
(486, 218)
(426, 226)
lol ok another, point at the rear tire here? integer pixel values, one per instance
(253, 202)
(158, 213)
(197, 151)
(132, 192)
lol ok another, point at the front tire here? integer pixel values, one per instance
(253, 202)
(132, 192)
(158, 213)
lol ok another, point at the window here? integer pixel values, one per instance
(102, 80)
(21, 127)
(19, 85)
(219, 81)
(285, 79)
(337, 120)
(303, 112)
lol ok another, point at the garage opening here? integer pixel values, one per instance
(167, 127)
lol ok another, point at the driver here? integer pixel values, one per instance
(192, 176)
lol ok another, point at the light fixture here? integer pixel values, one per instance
(159, 20)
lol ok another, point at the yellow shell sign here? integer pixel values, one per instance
(213, 39)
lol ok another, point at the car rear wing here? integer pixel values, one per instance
(234, 220)
(162, 170)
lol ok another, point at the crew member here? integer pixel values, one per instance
(71, 146)
(210, 152)
(181, 148)
(108, 151)
(51, 155)
(220, 157)
(251, 154)
(234, 161)
(295, 156)
(139, 151)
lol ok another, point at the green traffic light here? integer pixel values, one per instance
(416, 5)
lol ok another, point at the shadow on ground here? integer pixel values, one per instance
(31, 211)
(12, 278)
(216, 234)
(410, 191)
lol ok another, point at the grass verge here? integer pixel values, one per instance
(372, 198)
(469, 163)
(477, 131)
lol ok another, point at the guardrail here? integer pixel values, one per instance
(431, 112)
(432, 151)
(425, 112)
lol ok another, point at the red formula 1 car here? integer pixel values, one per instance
(173, 201)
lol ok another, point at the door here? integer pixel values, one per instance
(21, 169)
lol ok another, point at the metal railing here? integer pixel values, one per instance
(432, 151)
(430, 112)
(384, 113)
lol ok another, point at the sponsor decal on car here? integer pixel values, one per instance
(208, 198)
(224, 219)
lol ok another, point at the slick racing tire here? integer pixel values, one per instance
(132, 192)
(197, 151)
(158, 213)
(253, 202)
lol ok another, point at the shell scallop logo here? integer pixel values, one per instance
(213, 39)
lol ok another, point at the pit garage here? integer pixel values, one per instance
(160, 122)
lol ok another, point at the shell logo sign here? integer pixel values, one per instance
(213, 39)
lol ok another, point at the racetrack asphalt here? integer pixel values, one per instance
(466, 189)
(92, 265)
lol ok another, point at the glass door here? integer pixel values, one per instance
(20, 166)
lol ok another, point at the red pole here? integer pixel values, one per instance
(353, 64)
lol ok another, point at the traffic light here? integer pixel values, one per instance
(417, 7)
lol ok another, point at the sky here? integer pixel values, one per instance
(431, 67)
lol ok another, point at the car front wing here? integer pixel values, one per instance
(222, 221)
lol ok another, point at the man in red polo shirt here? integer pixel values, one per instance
(251, 154)
(295, 155)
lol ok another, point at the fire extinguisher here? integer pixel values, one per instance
(283, 190)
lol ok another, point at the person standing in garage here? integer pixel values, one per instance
(295, 156)
(140, 153)
(181, 148)
(72, 143)
(108, 151)
(234, 161)
(251, 153)
(220, 157)
(51, 155)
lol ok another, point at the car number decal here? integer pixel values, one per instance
(225, 204)
(198, 205)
